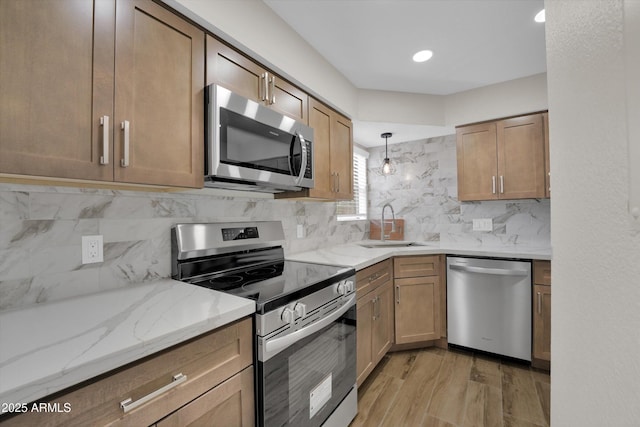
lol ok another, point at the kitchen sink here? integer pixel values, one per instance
(389, 244)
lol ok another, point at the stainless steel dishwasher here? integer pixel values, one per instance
(489, 305)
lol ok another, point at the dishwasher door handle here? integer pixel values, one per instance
(485, 270)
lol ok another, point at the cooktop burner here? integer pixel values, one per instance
(276, 284)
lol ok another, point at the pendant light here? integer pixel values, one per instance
(387, 167)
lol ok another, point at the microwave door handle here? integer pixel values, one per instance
(303, 163)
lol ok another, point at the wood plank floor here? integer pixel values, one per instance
(450, 388)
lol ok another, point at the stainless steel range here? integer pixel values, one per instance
(305, 322)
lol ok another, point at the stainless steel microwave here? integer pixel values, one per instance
(251, 147)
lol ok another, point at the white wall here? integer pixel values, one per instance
(514, 97)
(596, 254)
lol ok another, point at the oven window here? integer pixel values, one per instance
(248, 143)
(302, 385)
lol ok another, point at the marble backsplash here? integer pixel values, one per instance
(41, 229)
(423, 191)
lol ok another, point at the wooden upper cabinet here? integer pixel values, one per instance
(231, 69)
(333, 155)
(56, 81)
(477, 157)
(342, 157)
(59, 117)
(521, 157)
(159, 91)
(502, 159)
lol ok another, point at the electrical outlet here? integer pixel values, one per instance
(483, 224)
(92, 249)
(300, 231)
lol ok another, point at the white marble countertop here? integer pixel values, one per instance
(48, 347)
(359, 257)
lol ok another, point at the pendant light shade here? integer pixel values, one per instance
(387, 168)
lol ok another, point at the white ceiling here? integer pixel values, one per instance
(475, 42)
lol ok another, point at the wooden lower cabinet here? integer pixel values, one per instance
(541, 315)
(417, 309)
(207, 363)
(230, 404)
(417, 298)
(374, 317)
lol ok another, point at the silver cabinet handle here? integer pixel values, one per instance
(501, 184)
(493, 185)
(274, 346)
(104, 122)
(484, 270)
(263, 87)
(128, 405)
(539, 303)
(272, 89)
(397, 294)
(333, 182)
(124, 162)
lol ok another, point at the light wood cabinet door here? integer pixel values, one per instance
(159, 93)
(230, 404)
(333, 156)
(56, 81)
(382, 333)
(417, 309)
(547, 162)
(342, 157)
(521, 165)
(231, 69)
(542, 322)
(364, 331)
(477, 162)
(320, 117)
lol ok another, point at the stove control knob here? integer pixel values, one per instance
(288, 316)
(344, 287)
(300, 309)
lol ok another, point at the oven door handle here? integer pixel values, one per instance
(274, 346)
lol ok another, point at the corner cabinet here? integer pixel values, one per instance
(112, 92)
(417, 298)
(241, 75)
(374, 321)
(504, 159)
(207, 378)
(541, 314)
(333, 155)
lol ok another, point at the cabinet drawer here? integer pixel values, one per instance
(542, 272)
(416, 266)
(205, 361)
(229, 404)
(371, 277)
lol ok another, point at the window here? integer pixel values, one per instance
(357, 208)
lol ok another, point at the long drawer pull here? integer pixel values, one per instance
(124, 161)
(539, 303)
(128, 405)
(104, 122)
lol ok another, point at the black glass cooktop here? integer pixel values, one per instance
(272, 285)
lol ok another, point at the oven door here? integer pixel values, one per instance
(305, 382)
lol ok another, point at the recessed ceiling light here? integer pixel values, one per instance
(423, 55)
(539, 16)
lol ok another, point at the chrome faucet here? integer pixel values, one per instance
(393, 224)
